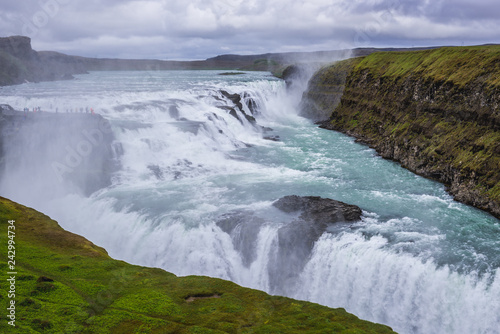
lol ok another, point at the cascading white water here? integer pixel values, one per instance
(192, 161)
(414, 296)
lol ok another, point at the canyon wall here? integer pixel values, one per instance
(437, 112)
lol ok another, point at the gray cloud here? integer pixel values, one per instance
(172, 29)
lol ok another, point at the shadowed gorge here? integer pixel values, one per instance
(437, 112)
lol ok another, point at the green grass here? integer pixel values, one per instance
(459, 65)
(66, 284)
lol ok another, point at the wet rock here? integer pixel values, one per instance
(272, 138)
(234, 113)
(251, 104)
(309, 218)
(235, 98)
(319, 210)
(243, 227)
(296, 239)
(250, 119)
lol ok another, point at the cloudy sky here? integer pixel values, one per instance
(198, 29)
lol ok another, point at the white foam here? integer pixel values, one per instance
(412, 296)
(180, 173)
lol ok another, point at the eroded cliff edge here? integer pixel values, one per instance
(437, 112)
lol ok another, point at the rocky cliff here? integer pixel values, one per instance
(325, 89)
(20, 63)
(437, 112)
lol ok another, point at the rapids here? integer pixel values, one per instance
(417, 261)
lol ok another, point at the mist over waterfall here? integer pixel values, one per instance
(193, 163)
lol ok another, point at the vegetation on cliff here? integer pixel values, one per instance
(435, 111)
(66, 284)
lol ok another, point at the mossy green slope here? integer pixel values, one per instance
(435, 111)
(66, 284)
(457, 65)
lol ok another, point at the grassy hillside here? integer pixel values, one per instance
(66, 284)
(435, 111)
(457, 65)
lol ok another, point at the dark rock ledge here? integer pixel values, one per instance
(310, 217)
(319, 211)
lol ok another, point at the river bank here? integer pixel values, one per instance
(436, 112)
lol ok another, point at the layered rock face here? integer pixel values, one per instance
(325, 89)
(437, 112)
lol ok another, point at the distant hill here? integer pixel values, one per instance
(19, 63)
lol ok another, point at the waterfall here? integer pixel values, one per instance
(367, 278)
(202, 157)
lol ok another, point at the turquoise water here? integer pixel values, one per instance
(417, 261)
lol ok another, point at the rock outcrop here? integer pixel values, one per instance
(310, 217)
(437, 112)
(243, 107)
(18, 46)
(297, 238)
(20, 63)
(319, 211)
(236, 99)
